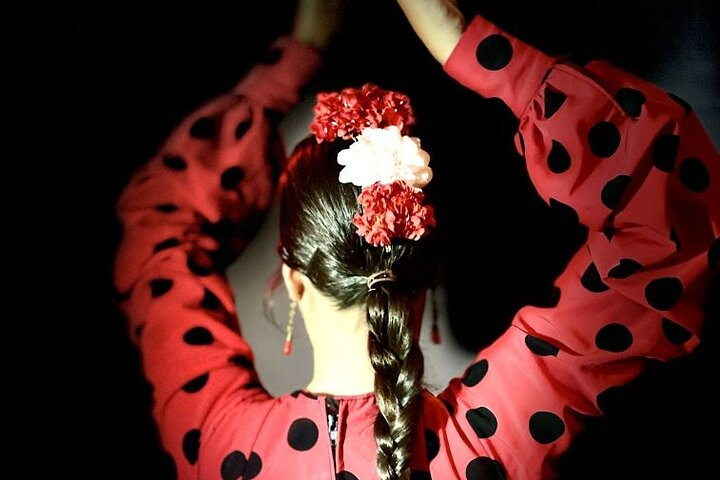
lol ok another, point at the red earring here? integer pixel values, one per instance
(287, 347)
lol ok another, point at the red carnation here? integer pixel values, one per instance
(346, 113)
(392, 211)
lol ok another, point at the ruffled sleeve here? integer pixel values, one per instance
(185, 215)
(635, 165)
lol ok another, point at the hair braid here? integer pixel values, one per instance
(319, 239)
(398, 362)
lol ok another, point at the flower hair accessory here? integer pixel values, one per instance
(389, 166)
(346, 113)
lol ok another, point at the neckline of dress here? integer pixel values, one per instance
(359, 396)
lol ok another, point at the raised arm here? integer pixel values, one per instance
(438, 23)
(635, 165)
(186, 215)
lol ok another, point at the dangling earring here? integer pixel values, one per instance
(287, 348)
(435, 332)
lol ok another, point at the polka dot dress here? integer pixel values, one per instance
(631, 161)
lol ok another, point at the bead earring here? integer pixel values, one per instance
(287, 347)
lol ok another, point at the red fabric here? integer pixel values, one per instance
(633, 292)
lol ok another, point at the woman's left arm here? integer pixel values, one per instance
(637, 168)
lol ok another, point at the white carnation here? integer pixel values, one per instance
(384, 155)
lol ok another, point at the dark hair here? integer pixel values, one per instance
(318, 238)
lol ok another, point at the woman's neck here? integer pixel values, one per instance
(340, 353)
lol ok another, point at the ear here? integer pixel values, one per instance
(293, 282)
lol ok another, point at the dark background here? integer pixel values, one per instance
(114, 78)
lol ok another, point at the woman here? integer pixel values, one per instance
(632, 162)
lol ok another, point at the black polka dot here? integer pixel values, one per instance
(242, 128)
(674, 238)
(613, 190)
(271, 57)
(674, 332)
(475, 373)
(203, 128)
(160, 286)
(624, 269)
(591, 280)
(664, 151)
(241, 361)
(680, 101)
(345, 475)
(231, 177)
(196, 384)
(420, 475)
(432, 444)
(166, 208)
(546, 427)
(694, 175)
(197, 268)
(210, 301)
(494, 52)
(630, 100)
(604, 139)
(484, 468)
(174, 162)
(191, 445)
(233, 466)
(482, 421)
(253, 467)
(564, 210)
(663, 293)
(303, 434)
(165, 244)
(198, 336)
(553, 101)
(540, 347)
(714, 254)
(610, 398)
(613, 337)
(558, 159)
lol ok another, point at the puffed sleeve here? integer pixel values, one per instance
(636, 166)
(185, 215)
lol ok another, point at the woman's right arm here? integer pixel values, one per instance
(185, 215)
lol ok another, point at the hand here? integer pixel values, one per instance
(316, 21)
(438, 23)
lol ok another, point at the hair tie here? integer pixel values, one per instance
(379, 277)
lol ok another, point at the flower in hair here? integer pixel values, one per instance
(346, 113)
(388, 164)
(393, 210)
(385, 155)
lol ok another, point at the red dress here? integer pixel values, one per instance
(632, 161)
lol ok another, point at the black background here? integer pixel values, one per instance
(113, 79)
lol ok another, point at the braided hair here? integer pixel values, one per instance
(318, 238)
